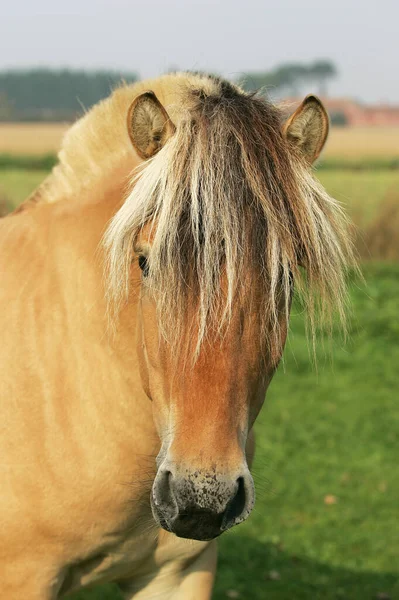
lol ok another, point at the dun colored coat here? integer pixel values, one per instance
(145, 290)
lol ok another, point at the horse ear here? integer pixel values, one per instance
(149, 125)
(307, 128)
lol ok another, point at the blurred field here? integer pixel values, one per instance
(343, 142)
(354, 142)
(357, 191)
(365, 195)
(31, 138)
(17, 184)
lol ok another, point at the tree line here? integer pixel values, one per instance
(54, 95)
(292, 78)
(62, 95)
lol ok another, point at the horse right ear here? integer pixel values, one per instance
(307, 128)
(149, 125)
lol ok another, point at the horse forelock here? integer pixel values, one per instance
(231, 208)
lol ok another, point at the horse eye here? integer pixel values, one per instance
(143, 264)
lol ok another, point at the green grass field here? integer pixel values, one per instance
(17, 184)
(325, 525)
(331, 433)
(359, 191)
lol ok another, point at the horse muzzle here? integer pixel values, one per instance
(201, 505)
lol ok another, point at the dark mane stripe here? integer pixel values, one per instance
(229, 199)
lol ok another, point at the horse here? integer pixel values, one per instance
(145, 296)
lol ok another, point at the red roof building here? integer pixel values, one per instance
(344, 111)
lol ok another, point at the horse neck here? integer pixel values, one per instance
(68, 270)
(81, 224)
(73, 385)
(108, 355)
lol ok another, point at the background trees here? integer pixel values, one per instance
(289, 79)
(62, 95)
(54, 95)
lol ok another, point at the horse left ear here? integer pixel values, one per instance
(149, 125)
(307, 129)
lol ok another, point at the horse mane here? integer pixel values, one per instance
(228, 200)
(98, 143)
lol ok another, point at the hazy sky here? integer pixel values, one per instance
(225, 36)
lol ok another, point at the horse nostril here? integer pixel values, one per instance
(163, 491)
(236, 506)
(163, 499)
(203, 509)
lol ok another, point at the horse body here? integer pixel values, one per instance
(78, 429)
(95, 423)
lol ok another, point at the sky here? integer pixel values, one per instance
(228, 37)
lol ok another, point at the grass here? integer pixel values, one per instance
(37, 162)
(334, 433)
(325, 522)
(360, 192)
(380, 238)
(365, 163)
(48, 160)
(17, 184)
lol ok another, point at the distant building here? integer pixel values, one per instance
(344, 111)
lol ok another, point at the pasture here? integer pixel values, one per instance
(361, 193)
(325, 522)
(343, 142)
(31, 138)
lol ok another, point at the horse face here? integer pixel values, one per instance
(204, 410)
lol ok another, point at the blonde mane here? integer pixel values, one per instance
(98, 143)
(227, 196)
(230, 199)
